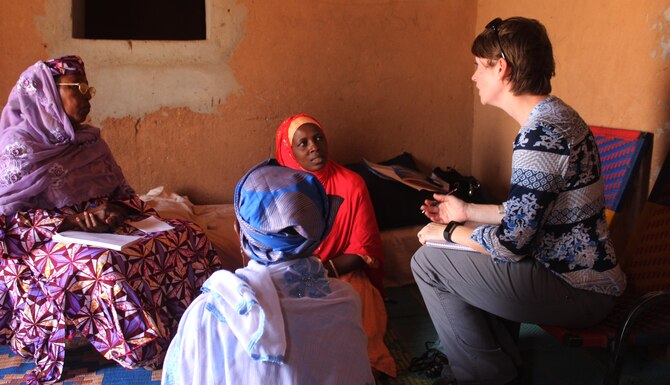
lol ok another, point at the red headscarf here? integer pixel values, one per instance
(284, 151)
(355, 229)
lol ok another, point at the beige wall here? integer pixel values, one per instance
(612, 65)
(382, 76)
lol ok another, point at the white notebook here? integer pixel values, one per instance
(151, 225)
(106, 240)
(449, 245)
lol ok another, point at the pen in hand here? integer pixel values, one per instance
(435, 203)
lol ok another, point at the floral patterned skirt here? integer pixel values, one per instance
(127, 304)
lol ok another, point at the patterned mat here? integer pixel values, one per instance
(409, 329)
(83, 366)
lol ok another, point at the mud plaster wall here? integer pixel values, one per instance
(612, 61)
(382, 77)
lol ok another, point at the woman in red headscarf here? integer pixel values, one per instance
(352, 251)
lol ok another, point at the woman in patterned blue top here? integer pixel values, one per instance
(543, 256)
(280, 320)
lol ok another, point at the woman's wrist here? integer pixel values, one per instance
(469, 207)
(332, 270)
(449, 230)
(69, 223)
(343, 264)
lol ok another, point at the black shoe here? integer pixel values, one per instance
(432, 362)
(446, 376)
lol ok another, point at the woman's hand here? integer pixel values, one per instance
(96, 219)
(89, 222)
(108, 214)
(343, 264)
(445, 208)
(431, 232)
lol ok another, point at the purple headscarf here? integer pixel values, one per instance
(44, 162)
(66, 65)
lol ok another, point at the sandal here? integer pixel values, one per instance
(430, 362)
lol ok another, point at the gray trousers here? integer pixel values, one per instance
(476, 305)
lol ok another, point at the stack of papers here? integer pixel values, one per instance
(106, 240)
(151, 225)
(112, 241)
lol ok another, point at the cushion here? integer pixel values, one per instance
(215, 220)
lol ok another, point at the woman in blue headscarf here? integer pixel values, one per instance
(280, 320)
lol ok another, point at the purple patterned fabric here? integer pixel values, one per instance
(66, 65)
(126, 304)
(44, 162)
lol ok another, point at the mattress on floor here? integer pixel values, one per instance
(217, 222)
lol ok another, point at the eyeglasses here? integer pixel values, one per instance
(84, 88)
(493, 26)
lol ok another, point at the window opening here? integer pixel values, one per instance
(139, 19)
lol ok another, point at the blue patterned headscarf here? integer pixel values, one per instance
(283, 213)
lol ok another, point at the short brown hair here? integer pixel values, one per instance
(526, 48)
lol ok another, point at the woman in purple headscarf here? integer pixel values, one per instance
(56, 173)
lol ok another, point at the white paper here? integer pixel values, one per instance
(104, 240)
(151, 225)
(449, 245)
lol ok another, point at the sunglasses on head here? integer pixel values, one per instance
(84, 88)
(493, 26)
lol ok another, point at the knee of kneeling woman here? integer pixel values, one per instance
(419, 262)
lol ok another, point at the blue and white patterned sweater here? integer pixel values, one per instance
(555, 211)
